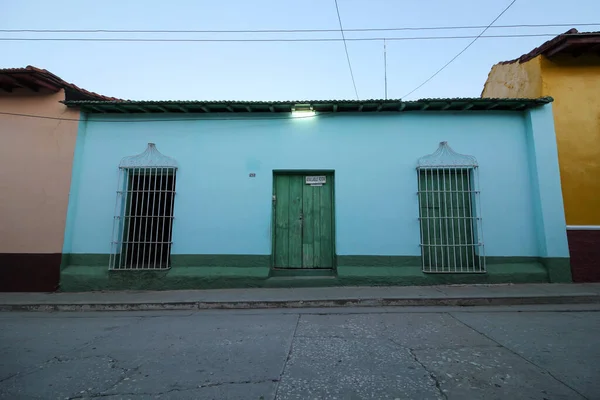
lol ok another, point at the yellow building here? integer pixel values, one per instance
(567, 68)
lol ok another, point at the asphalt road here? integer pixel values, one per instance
(535, 352)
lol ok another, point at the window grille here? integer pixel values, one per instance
(450, 212)
(143, 223)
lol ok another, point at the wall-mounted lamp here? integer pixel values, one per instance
(302, 111)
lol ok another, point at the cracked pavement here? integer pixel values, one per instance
(518, 352)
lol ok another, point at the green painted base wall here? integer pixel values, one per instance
(559, 269)
(179, 260)
(87, 272)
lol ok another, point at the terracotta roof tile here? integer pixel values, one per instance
(569, 40)
(35, 78)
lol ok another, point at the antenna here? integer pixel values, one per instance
(385, 68)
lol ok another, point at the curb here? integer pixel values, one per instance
(330, 303)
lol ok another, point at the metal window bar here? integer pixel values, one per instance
(450, 213)
(146, 219)
(479, 250)
(450, 224)
(143, 222)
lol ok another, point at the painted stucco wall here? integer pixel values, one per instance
(574, 83)
(514, 80)
(219, 209)
(546, 188)
(36, 156)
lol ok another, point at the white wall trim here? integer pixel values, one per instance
(583, 227)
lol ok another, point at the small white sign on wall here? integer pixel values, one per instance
(318, 180)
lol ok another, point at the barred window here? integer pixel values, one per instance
(449, 213)
(143, 223)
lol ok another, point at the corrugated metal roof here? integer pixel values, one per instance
(249, 102)
(371, 105)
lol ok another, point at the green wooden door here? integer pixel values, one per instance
(303, 223)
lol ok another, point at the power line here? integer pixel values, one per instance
(461, 52)
(9, 39)
(320, 114)
(346, 48)
(294, 30)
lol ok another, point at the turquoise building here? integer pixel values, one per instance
(198, 194)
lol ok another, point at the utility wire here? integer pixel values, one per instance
(346, 48)
(293, 30)
(19, 39)
(462, 51)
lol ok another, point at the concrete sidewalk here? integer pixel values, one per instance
(453, 295)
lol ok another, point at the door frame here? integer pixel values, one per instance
(328, 173)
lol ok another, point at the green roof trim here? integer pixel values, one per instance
(176, 106)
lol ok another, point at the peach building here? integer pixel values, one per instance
(37, 142)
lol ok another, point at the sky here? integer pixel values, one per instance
(278, 70)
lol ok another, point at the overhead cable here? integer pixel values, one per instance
(57, 39)
(424, 28)
(461, 52)
(346, 49)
